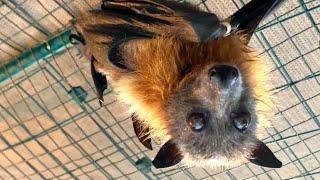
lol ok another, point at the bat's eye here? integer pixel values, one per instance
(241, 120)
(196, 121)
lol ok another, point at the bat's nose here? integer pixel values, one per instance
(224, 75)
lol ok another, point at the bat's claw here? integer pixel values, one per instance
(76, 39)
(100, 81)
(103, 5)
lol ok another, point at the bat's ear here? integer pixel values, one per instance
(249, 16)
(263, 156)
(100, 81)
(142, 132)
(169, 155)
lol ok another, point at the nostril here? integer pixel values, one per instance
(224, 75)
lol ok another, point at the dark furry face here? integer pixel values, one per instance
(217, 107)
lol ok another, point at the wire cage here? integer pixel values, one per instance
(52, 127)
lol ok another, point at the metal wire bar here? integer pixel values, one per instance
(45, 133)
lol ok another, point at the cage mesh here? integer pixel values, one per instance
(52, 127)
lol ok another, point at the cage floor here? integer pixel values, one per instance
(47, 133)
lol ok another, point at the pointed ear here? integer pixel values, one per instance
(169, 155)
(249, 16)
(100, 81)
(263, 156)
(142, 132)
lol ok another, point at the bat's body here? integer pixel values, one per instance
(191, 80)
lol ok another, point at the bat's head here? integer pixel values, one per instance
(216, 111)
(210, 99)
(219, 104)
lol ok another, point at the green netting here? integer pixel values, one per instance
(52, 127)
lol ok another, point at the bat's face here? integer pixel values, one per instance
(211, 99)
(213, 114)
(220, 105)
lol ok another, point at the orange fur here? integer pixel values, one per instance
(158, 63)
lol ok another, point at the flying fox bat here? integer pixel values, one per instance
(191, 79)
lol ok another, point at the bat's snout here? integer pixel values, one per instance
(225, 76)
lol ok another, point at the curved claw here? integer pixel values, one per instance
(103, 5)
(76, 39)
(100, 81)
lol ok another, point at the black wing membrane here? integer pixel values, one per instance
(120, 21)
(187, 22)
(250, 16)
